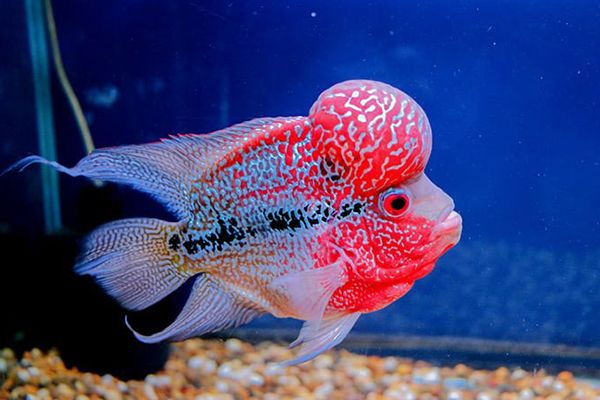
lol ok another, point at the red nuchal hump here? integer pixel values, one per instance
(376, 131)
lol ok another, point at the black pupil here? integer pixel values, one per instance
(398, 203)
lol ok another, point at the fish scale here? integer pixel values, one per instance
(320, 218)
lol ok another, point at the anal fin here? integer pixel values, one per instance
(209, 308)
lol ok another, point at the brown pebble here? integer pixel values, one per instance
(233, 369)
(565, 376)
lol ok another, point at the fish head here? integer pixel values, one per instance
(381, 140)
(375, 133)
(409, 226)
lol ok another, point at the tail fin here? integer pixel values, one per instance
(132, 261)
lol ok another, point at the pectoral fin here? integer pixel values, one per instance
(317, 338)
(310, 291)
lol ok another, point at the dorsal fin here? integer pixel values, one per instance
(167, 169)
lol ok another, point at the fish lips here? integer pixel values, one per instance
(445, 234)
(448, 228)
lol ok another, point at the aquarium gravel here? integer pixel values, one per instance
(233, 369)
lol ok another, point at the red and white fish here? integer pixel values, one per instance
(320, 218)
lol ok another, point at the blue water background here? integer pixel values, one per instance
(512, 90)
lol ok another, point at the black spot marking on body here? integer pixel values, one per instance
(282, 220)
(191, 245)
(350, 208)
(226, 232)
(330, 170)
(307, 217)
(175, 242)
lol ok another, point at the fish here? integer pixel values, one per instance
(321, 218)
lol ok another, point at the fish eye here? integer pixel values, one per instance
(394, 202)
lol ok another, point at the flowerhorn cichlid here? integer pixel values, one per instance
(320, 218)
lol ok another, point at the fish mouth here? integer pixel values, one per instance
(445, 213)
(448, 225)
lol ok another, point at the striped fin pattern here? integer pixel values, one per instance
(166, 169)
(130, 259)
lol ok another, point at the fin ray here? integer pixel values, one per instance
(317, 338)
(209, 308)
(130, 259)
(166, 169)
(310, 291)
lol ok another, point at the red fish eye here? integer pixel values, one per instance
(394, 202)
